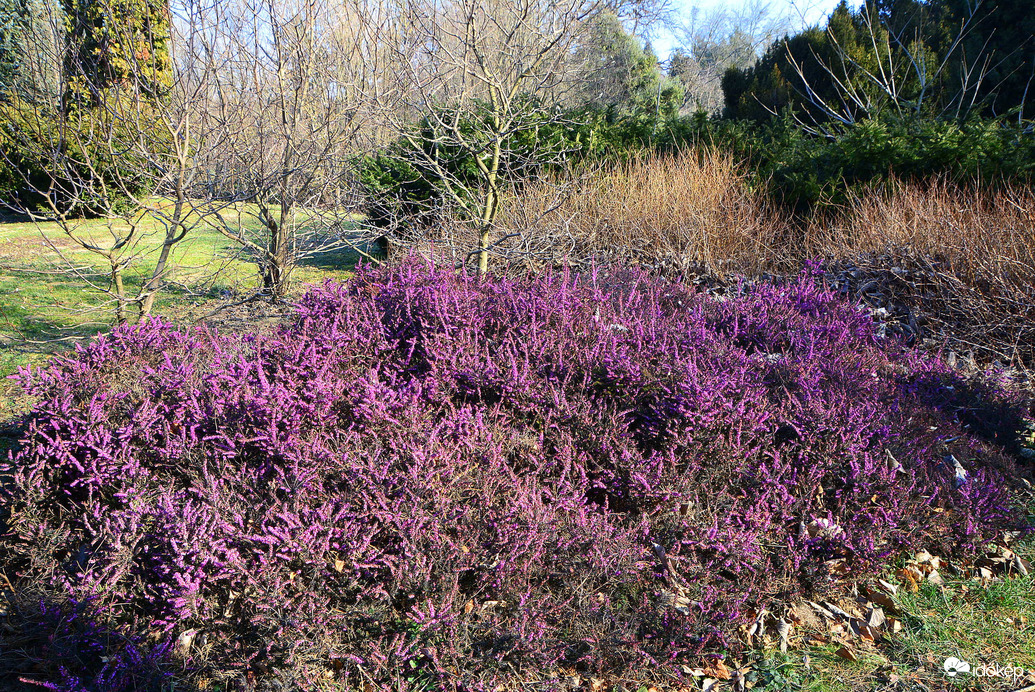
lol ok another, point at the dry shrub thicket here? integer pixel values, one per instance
(960, 260)
(690, 212)
(953, 263)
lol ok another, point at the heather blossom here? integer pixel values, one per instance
(430, 479)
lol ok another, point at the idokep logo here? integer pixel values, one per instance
(954, 666)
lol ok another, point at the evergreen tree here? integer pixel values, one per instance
(928, 58)
(624, 76)
(117, 44)
(13, 30)
(1004, 31)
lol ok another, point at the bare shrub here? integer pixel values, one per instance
(959, 258)
(691, 211)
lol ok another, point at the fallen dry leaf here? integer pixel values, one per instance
(821, 610)
(888, 587)
(884, 602)
(910, 578)
(838, 611)
(717, 669)
(868, 633)
(875, 618)
(847, 654)
(824, 527)
(184, 641)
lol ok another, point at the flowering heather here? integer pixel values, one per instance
(428, 479)
(61, 647)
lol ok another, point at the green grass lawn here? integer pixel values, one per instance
(990, 624)
(45, 308)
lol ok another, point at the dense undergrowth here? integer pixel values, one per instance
(428, 479)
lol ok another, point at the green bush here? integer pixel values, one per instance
(809, 171)
(804, 170)
(409, 183)
(21, 173)
(394, 189)
(94, 161)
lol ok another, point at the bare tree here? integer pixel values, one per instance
(722, 37)
(253, 135)
(289, 102)
(114, 146)
(479, 73)
(643, 17)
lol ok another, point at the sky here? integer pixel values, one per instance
(804, 11)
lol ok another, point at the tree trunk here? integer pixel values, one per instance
(150, 290)
(492, 199)
(120, 293)
(483, 252)
(274, 277)
(276, 269)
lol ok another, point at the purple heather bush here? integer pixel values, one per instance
(61, 647)
(429, 479)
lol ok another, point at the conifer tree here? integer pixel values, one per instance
(13, 30)
(117, 44)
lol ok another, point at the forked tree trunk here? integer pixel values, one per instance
(276, 269)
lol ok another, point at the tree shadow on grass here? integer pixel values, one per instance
(340, 258)
(37, 333)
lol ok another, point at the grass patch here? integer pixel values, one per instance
(987, 623)
(44, 307)
(990, 624)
